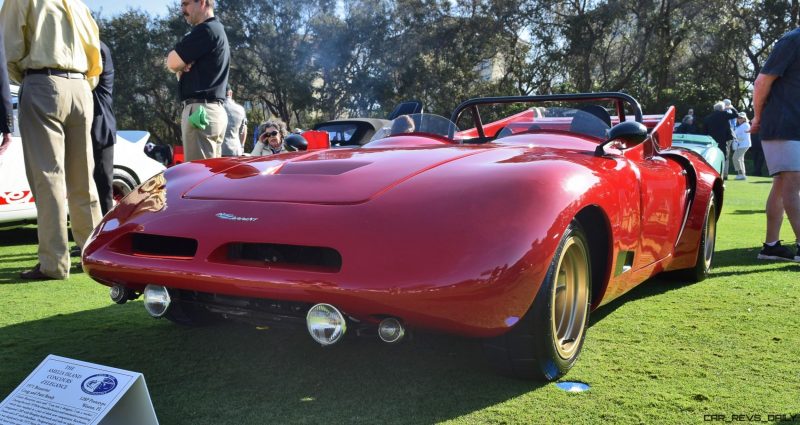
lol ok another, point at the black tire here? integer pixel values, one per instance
(547, 341)
(705, 252)
(123, 184)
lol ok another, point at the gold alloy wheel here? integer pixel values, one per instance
(570, 297)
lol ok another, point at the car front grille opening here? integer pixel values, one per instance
(285, 256)
(282, 307)
(255, 311)
(147, 245)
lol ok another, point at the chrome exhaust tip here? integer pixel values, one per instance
(120, 294)
(391, 330)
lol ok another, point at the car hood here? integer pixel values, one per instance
(699, 148)
(346, 176)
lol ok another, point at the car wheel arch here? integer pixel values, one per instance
(124, 180)
(598, 234)
(134, 177)
(547, 340)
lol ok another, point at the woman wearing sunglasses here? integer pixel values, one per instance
(270, 139)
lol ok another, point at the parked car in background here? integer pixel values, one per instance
(351, 132)
(509, 222)
(704, 145)
(131, 167)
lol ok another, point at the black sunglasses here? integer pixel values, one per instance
(272, 133)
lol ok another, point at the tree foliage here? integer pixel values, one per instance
(311, 60)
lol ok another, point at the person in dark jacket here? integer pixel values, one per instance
(6, 108)
(104, 135)
(687, 126)
(718, 126)
(104, 132)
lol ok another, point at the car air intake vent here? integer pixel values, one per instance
(321, 168)
(163, 246)
(287, 256)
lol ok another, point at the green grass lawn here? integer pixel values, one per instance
(666, 352)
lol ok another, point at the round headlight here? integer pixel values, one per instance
(390, 330)
(325, 324)
(156, 300)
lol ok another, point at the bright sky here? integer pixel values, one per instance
(110, 8)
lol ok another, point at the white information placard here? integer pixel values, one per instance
(66, 391)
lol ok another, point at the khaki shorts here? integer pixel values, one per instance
(781, 155)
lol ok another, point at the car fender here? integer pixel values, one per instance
(520, 206)
(706, 181)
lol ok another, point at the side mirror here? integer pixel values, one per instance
(629, 132)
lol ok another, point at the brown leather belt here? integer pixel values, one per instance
(57, 73)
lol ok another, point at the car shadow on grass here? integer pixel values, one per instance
(19, 236)
(238, 374)
(658, 285)
(723, 260)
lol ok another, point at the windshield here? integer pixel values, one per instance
(589, 120)
(504, 120)
(426, 124)
(588, 114)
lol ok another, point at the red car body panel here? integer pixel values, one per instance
(447, 237)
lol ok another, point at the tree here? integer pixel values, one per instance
(270, 49)
(145, 93)
(349, 59)
(310, 60)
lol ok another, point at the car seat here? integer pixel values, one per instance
(592, 120)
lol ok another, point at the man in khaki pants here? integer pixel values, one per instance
(53, 51)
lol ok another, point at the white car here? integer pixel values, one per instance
(131, 168)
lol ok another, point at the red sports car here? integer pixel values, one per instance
(508, 222)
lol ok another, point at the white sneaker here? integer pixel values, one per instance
(741, 177)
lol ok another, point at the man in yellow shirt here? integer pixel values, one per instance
(53, 52)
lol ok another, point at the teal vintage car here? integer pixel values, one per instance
(702, 144)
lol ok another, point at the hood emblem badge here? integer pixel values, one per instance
(226, 216)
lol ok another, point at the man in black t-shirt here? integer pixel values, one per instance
(776, 103)
(201, 61)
